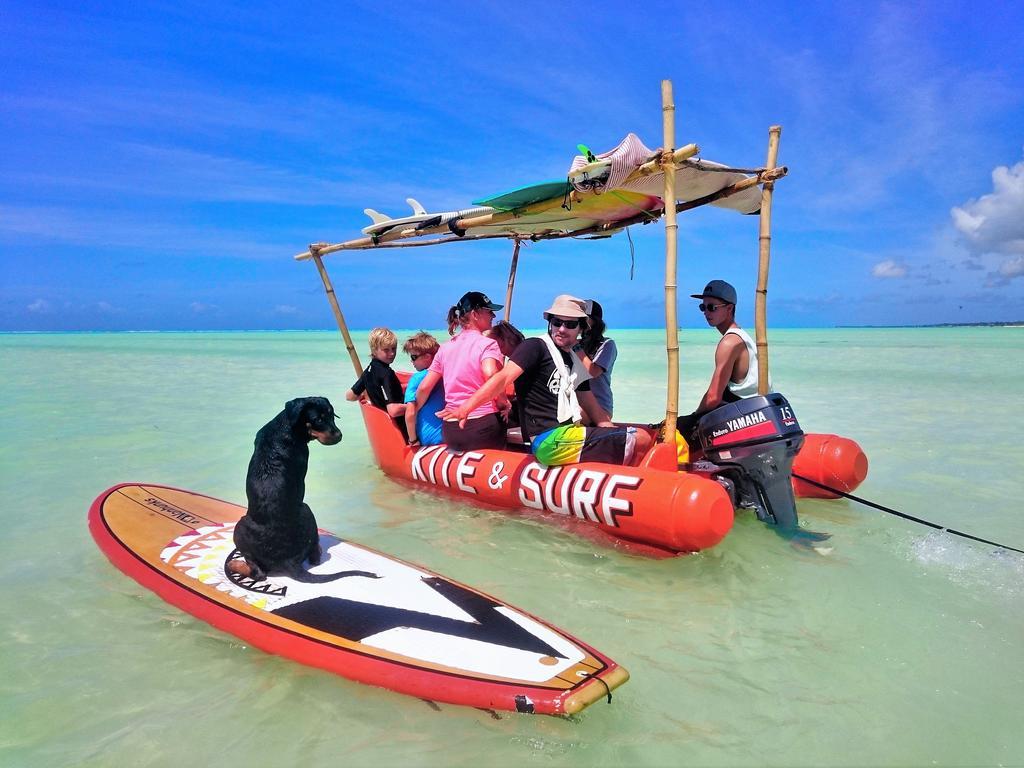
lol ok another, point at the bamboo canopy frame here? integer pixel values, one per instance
(764, 258)
(668, 110)
(511, 281)
(762, 175)
(338, 316)
(666, 160)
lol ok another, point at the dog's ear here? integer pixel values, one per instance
(293, 410)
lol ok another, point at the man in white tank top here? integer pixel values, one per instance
(735, 375)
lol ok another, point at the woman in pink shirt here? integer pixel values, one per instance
(465, 362)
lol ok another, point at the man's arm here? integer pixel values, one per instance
(727, 354)
(593, 409)
(491, 389)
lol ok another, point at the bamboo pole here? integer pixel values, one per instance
(340, 318)
(762, 177)
(764, 258)
(511, 281)
(357, 245)
(655, 164)
(668, 434)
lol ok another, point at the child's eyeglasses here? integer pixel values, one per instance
(415, 357)
(711, 307)
(557, 322)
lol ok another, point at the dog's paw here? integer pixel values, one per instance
(239, 567)
(245, 569)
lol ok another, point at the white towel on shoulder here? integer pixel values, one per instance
(568, 404)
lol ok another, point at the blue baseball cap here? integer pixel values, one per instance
(717, 289)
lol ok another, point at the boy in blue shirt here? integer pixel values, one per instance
(424, 427)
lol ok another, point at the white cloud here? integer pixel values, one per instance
(1012, 267)
(285, 309)
(888, 269)
(39, 306)
(994, 223)
(200, 308)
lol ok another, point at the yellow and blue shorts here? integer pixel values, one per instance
(571, 444)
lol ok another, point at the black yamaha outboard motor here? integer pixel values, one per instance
(749, 448)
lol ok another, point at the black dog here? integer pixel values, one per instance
(278, 533)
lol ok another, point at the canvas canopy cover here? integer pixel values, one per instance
(599, 196)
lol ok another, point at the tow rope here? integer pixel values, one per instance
(904, 515)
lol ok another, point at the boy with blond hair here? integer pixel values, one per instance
(422, 425)
(378, 381)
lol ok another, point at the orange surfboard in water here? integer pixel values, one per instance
(381, 621)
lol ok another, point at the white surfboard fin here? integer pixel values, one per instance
(417, 209)
(377, 216)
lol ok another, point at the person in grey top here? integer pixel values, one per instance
(598, 354)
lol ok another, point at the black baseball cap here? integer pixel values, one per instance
(717, 289)
(476, 300)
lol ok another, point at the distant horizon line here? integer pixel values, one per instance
(985, 324)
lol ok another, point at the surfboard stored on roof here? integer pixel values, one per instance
(420, 219)
(401, 627)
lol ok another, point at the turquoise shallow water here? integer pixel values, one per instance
(900, 647)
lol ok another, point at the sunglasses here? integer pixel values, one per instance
(712, 307)
(416, 357)
(557, 322)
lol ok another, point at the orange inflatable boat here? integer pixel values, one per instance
(752, 454)
(655, 503)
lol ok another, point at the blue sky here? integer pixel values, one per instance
(162, 162)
